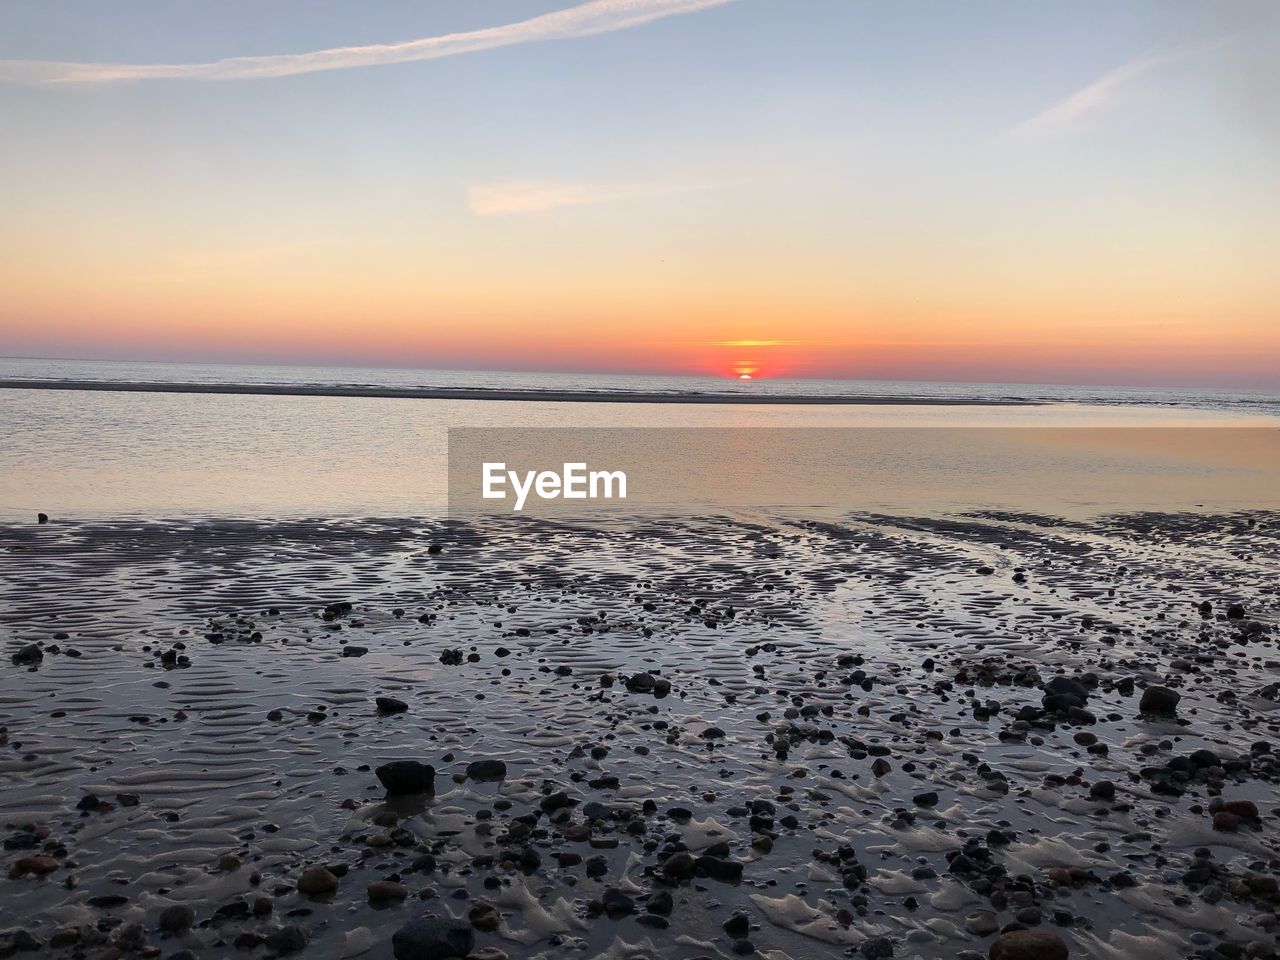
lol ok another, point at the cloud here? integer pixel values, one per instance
(523, 196)
(1066, 114)
(585, 19)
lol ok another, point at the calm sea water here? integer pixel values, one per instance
(80, 453)
(113, 371)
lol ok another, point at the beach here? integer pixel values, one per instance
(876, 736)
(639, 480)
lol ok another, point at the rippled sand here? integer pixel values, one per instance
(799, 655)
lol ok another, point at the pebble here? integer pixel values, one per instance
(431, 938)
(406, 776)
(1159, 700)
(486, 771)
(982, 923)
(288, 939)
(485, 916)
(1028, 945)
(34, 866)
(176, 917)
(316, 881)
(29, 654)
(386, 891)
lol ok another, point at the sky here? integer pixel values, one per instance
(1060, 192)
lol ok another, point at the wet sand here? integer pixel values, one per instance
(743, 735)
(554, 396)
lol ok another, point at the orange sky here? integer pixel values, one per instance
(1053, 208)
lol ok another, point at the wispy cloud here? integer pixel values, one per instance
(512, 197)
(585, 19)
(1065, 115)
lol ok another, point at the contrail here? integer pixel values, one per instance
(1068, 111)
(586, 19)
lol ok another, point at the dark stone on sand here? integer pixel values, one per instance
(176, 917)
(351, 650)
(17, 941)
(982, 923)
(288, 939)
(726, 871)
(391, 704)
(640, 682)
(1235, 611)
(485, 916)
(36, 866)
(432, 938)
(1103, 790)
(1028, 945)
(1227, 822)
(986, 571)
(1058, 686)
(486, 771)
(386, 891)
(31, 653)
(1159, 700)
(317, 881)
(1243, 809)
(929, 799)
(42, 518)
(661, 903)
(737, 926)
(406, 776)
(596, 867)
(617, 904)
(679, 866)
(556, 801)
(1060, 702)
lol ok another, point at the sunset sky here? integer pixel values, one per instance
(1079, 192)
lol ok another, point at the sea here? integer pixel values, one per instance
(112, 371)
(80, 453)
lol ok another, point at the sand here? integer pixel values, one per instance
(743, 735)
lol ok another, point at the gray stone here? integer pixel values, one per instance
(432, 938)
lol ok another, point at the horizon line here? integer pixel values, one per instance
(681, 375)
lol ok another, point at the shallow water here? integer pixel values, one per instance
(162, 455)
